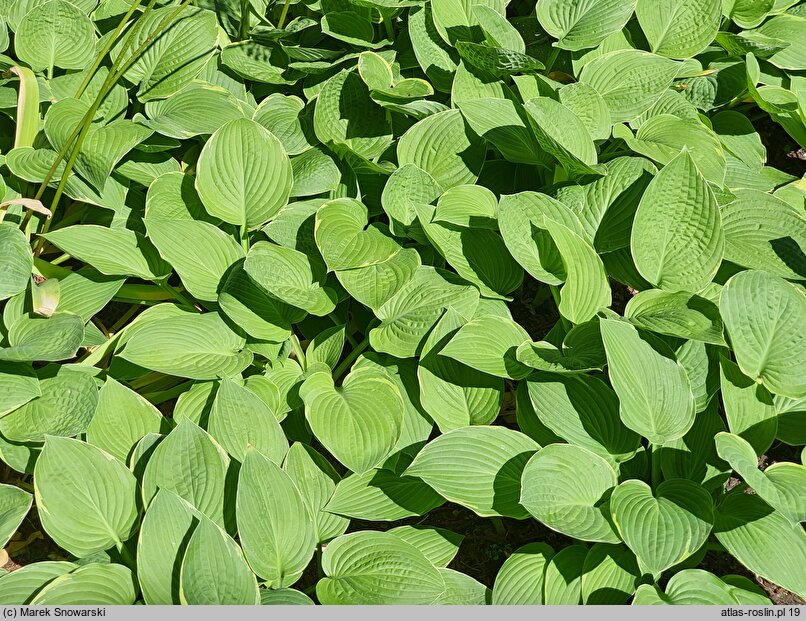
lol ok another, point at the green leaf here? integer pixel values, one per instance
(16, 503)
(93, 584)
(749, 407)
(171, 467)
(174, 58)
(188, 344)
(444, 147)
(84, 496)
(562, 133)
(244, 175)
(55, 34)
(792, 29)
(610, 575)
(581, 350)
(488, 344)
(679, 314)
(285, 117)
(519, 582)
(583, 23)
(566, 487)
(45, 339)
(20, 586)
(439, 546)
(654, 391)
(358, 423)
(16, 259)
(375, 568)
(678, 199)
(631, 81)
(214, 571)
(563, 576)
(679, 511)
(114, 252)
(477, 467)
(239, 419)
(763, 314)
(763, 540)
(18, 386)
(679, 29)
(121, 419)
(497, 61)
(274, 525)
(164, 533)
(290, 276)
(699, 587)
(781, 485)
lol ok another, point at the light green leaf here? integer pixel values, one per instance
(16, 261)
(93, 584)
(654, 391)
(16, 503)
(358, 423)
(20, 586)
(519, 582)
(581, 24)
(566, 487)
(44, 339)
(749, 407)
(679, 314)
(243, 174)
(679, 29)
(763, 315)
(478, 467)
(677, 238)
(374, 568)
(55, 34)
(84, 496)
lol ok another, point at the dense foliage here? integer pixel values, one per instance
(271, 269)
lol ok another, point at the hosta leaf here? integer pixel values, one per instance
(488, 344)
(781, 485)
(762, 540)
(582, 410)
(610, 575)
(285, 117)
(284, 597)
(462, 590)
(192, 345)
(316, 480)
(20, 586)
(200, 253)
(121, 419)
(654, 391)
(436, 59)
(18, 386)
(763, 314)
(198, 109)
(679, 29)
(477, 254)
(85, 497)
(699, 587)
(581, 350)
(478, 467)
(96, 583)
(679, 314)
(164, 533)
(565, 487)
(586, 288)
(377, 568)
(244, 175)
(170, 467)
(749, 407)
(16, 503)
(748, 13)
(497, 61)
(589, 106)
(55, 34)
(214, 571)
(360, 127)
(583, 23)
(519, 582)
(678, 199)
(290, 276)
(376, 284)
(630, 81)
(239, 419)
(345, 239)
(358, 423)
(764, 232)
(437, 544)
(44, 339)
(114, 252)
(562, 133)
(382, 495)
(408, 316)
(175, 57)
(563, 576)
(314, 172)
(455, 394)
(789, 28)
(444, 147)
(16, 260)
(522, 219)
(680, 511)
(52, 412)
(274, 525)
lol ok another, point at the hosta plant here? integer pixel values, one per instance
(286, 285)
